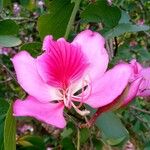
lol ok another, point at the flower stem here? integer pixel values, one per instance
(78, 139)
(75, 9)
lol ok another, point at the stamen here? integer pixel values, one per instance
(84, 96)
(81, 112)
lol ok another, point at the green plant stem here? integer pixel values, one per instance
(78, 139)
(73, 15)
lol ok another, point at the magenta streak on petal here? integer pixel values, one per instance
(62, 65)
(30, 80)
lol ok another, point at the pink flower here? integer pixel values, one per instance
(16, 9)
(141, 22)
(133, 43)
(67, 73)
(139, 84)
(110, 2)
(5, 50)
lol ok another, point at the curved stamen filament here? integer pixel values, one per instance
(81, 112)
(67, 97)
(83, 95)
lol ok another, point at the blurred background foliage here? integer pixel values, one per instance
(125, 26)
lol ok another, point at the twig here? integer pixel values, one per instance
(78, 139)
(139, 118)
(116, 46)
(8, 71)
(7, 80)
(72, 119)
(139, 109)
(72, 18)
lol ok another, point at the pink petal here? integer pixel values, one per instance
(144, 89)
(107, 88)
(136, 66)
(62, 65)
(29, 78)
(92, 45)
(132, 92)
(47, 112)
(46, 43)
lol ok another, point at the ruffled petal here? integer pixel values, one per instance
(47, 112)
(144, 89)
(107, 88)
(92, 45)
(136, 66)
(29, 78)
(62, 65)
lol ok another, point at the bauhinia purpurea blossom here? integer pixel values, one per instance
(68, 75)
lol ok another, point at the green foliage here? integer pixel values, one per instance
(67, 132)
(113, 130)
(119, 23)
(123, 28)
(4, 3)
(8, 27)
(31, 142)
(10, 131)
(3, 107)
(55, 22)
(9, 41)
(34, 48)
(98, 145)
(101, 11)
(3, 110)
(84, 135)
(67, 144)
(8, 30)
(28, 4)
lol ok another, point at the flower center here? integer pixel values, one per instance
(68, 96)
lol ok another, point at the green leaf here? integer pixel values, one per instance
(35, 142)
(9, 41)
(2, 132)
(4, 3)
(101, 11)
(113, 130)
(56, 21)
(98, 145)
(10, 130)
(67, 144)
(147, 146)
(33, 48)
(123, 28)
(142, 54)
(3, 107)
(84, 135)
(125, 18)
(3, 110)
(28, 4)
(66, 132)
(8, 27)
